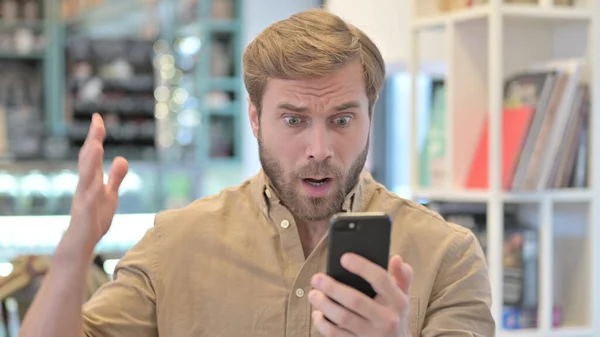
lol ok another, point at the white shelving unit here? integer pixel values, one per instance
(484, 45)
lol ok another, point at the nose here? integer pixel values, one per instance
(319, 143)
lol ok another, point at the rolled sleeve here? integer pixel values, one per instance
(461, 301)
(126, 306)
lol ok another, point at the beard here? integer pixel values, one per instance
(301, 206)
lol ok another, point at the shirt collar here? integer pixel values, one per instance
(357, 200)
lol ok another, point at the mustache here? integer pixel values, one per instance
(319, 169)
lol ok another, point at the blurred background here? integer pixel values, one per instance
(461, 126)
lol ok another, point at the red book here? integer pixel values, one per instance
(515, 125)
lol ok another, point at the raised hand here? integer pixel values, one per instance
(95, 202)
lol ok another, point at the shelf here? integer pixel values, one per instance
(108, 11)
(438, 21)
(37, 24)
(571, 332)
(40, 234)
(227, 111)
(198, 28)
(559, 15)
(11, 55)
(137, 84)
(451, 195)
(16, 167)
(560, 332)
(110, 18)
(138, 107)
(574, 195)
(212, 77)
(521, 333)
(481, 196)
(460, 145)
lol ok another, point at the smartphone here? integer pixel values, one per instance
(366, 234)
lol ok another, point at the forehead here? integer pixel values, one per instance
(346, 83)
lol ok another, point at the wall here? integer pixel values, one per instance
(257, 15)
(387, 23)
(384, 21)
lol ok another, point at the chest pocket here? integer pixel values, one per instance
(413, 317)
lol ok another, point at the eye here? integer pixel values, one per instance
(293, 120)
(342, 121)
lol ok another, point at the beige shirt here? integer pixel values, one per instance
(232, 265)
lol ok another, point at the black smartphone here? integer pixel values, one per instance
(366, 234)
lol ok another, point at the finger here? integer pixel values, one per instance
(377, 277)
(91, 153)
(90, 164)
(348, 297)
(326, 328)
(117, 173)
(97, 131)
(339, 315)
(402, 273)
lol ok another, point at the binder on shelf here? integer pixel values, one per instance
(543, 120)
(515, 123)
(570, 70)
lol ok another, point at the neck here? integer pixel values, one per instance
(311, 233)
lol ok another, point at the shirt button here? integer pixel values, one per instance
(285, 224)
(300, 292)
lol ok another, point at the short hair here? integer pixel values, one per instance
(310, 44)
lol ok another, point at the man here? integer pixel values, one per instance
(250, 261)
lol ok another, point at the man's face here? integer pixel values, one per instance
(313, 138)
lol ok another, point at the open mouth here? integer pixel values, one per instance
(316, 182)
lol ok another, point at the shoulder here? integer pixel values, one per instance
(213, 209)
(421, 228)
(412, 216)
(440, 252)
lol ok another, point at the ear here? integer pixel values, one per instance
(253, 116)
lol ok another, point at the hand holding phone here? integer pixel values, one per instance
(359, 295)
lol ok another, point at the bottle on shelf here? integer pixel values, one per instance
(9, 194)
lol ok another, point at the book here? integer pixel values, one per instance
(432, 161)
(544, 133)
(515, 124)
(524, 94)
(550, 146)
(562, 167)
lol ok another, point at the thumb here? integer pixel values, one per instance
(117, 173)
(401, 272)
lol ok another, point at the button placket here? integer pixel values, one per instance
(290, 243)
(299, 308)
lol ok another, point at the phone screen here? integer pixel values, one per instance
(365, 234)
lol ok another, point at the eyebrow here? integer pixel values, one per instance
(291, 107)
(347, 105)
(301, 109)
